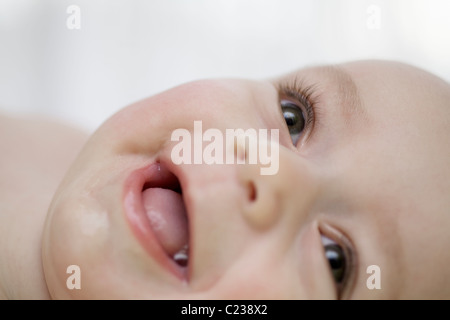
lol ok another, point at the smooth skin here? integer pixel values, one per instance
(371, 173)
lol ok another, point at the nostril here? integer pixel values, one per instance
(251, 191)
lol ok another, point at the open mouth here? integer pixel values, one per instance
(166, 212)
(156, 210)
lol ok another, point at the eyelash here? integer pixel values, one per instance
(351, 258)
(305, 95)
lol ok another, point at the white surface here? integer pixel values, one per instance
(129, 49)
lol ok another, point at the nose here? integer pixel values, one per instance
(285, 196)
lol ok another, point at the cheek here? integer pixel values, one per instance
(75, 246)
(88, 244)
(148, 124)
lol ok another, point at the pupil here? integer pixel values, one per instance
(291, 118)
(336, 260)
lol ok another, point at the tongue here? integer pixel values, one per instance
(167, 214)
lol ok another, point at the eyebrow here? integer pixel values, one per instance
(348, 94)
(387, 236)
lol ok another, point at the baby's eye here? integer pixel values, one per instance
(338, 261)
(295, 120)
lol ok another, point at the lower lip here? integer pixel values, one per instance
(137, 218)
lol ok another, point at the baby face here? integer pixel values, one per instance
(362, 180)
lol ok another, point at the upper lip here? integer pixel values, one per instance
(137, 218)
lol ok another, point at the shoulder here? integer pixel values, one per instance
(31, 146)
(17, 127)
(29, 133)
(35, 154)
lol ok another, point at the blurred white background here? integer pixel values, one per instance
(126, 50)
